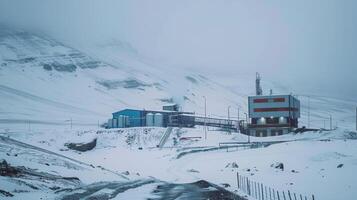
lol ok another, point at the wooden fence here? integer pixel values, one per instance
(262, 192)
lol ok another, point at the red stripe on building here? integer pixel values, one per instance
(260, 100)
(279, 99)
(274, 109)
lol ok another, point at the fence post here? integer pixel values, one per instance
(251, 185)
(248, 184)
(243, 184)
(273, 193)
(277, 193)
(284, 195)
(266, 193)
(259, 189)
(289, 194)
(240, 182)
(255, 190)
(262, 191)
(238, 179)
(269, 193)
(242, 179)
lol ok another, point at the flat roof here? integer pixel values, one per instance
(274, 95)
(155, 111)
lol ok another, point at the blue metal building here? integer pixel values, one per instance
(170, 116)
(136, 117)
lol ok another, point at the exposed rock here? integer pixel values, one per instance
(278, 165)
(226, 185)
(6, 169)
(5, 193)
(55, 188)
(129, 83)
(193, 171)
(340, 165)
(82, 146)
(232, 165)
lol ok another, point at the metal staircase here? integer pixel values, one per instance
(165, 137)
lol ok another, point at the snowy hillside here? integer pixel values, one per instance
(43, 80)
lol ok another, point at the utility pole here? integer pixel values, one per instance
(238, 121)
(246, 118)
(308, 112)
(205, 117)
(324, 124)
(229, 115)
(331, 122)
(69, 120)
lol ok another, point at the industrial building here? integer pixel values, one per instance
(271, 115)
(170, 116)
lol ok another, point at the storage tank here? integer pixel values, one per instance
(121, 122)
(149, 119)
(110, 123)
(126, 121)
(158, 120)
(115, 123)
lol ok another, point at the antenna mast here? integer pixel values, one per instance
(258, 87)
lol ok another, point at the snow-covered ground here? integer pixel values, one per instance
(310, 159)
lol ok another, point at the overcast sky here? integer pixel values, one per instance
(310, 45)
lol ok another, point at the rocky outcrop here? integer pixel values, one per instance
(82, 146)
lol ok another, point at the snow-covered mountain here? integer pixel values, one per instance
(42, 79)
(45, 81)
